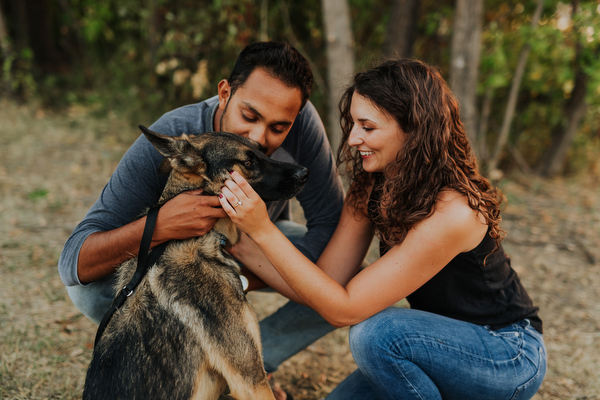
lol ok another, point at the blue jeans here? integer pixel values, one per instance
(410, 354)
(284, 333)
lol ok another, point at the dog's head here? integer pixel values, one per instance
(204, 161)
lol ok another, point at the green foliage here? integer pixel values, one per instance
(369, 29)
(16, 73)
(145, 58)
(37, 194)
(549, 75)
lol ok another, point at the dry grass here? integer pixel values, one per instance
(54, 166)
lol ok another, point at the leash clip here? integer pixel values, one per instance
(126, 291)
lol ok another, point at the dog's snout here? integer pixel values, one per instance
(301, 175)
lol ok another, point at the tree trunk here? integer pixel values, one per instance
(401, 29)
(153, 29)
(514, 92)
(21, 25)
(4, 39)
(5, 51)
(264, 20)
(484, 119)
(464, 63)
(41, 35)
(5, 42)
(552, 163)
(340, 60)
(291, 37)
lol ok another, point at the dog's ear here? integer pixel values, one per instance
(177, 149)
(166, 145)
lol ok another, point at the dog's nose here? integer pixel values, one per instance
(301, 175)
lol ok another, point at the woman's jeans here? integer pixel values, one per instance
(410, 354)
(284, 333)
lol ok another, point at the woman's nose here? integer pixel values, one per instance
(354, 139)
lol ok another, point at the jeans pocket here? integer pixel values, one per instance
(511, 339)
(530, 388)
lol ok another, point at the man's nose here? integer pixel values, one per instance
(259, 134)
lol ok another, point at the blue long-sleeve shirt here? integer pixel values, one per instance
(136, 185)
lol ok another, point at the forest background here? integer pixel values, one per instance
(527, 73)
(78, 76)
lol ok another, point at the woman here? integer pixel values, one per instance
(472, 331)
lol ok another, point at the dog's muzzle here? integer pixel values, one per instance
(301, 175)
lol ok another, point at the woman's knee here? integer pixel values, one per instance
(374, 333)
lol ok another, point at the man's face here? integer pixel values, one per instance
(262, 109)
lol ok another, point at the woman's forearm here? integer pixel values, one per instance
(311, 284)
(251, 256)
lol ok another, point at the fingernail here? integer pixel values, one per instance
(231, 172)
(220, 195)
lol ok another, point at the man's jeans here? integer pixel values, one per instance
(410, 354)
(284, 333)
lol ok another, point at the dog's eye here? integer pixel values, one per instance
(247, 164)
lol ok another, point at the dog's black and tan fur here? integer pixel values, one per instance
(188, 331)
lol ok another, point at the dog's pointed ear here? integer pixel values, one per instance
(166, 145)
(178, 150)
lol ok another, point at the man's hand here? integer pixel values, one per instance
(187, 215)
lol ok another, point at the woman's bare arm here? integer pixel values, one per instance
(430, 245)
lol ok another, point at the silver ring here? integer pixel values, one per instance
(239, 203)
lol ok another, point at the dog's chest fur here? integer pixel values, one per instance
(189, 270)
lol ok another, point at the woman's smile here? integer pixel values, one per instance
(376, 135)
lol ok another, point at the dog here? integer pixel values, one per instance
(187, 331)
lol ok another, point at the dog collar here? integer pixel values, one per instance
(222, 239)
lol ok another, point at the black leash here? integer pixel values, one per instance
(144, 262)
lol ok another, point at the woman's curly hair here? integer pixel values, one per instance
(436, 156)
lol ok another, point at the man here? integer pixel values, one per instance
(265, 99)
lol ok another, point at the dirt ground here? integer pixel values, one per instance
(52, 168)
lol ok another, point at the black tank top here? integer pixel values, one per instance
(468, 290)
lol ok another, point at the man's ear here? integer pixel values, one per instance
(224, 91)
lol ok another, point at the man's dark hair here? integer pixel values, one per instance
(278, 59)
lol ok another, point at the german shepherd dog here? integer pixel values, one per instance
(188, 332)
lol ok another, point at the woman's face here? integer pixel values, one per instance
(375, 134)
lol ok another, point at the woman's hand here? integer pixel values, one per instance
(244, 206)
